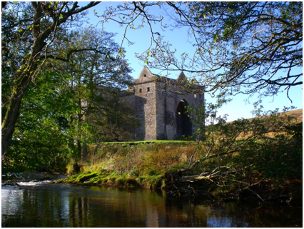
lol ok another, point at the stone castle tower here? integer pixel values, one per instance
(160, 105)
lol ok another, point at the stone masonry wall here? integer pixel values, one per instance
(146, 111)
(168, 98)
(156, 101)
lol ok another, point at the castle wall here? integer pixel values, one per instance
(131, 100)
(167, 99)
(145, 106)
(160, 111)
(156, 101)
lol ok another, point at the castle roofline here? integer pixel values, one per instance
(146, 76)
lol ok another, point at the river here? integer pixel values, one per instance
(40, 204)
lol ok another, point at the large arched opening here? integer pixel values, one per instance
(183, 121)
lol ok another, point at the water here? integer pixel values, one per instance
(62, 205)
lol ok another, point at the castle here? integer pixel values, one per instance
(160, 106)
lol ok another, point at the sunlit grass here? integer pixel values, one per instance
(151, 141)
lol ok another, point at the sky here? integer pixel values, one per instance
(239, 107)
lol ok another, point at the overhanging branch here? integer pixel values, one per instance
(67, 59)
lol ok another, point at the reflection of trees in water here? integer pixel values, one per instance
(141, 208)
(11, 201)
(131, 209)
(183, 213)
(232, 214)
(229, 214)
(112, 209)
(102, 207)
(33, 208)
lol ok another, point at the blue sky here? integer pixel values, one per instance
(238, 108)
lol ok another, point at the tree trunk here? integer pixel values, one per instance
(12, 114)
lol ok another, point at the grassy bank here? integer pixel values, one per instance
(133, 164)
(267, 169)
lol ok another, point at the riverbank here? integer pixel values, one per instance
(176, 186)
(22, 177)
(163, 166)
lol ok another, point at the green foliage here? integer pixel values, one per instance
(41, 141)
(154, 182)
(115, 120)
(29, 33)
(120, 181)
(98, 80)
(56, 120)
(244, 153)
(152, 172)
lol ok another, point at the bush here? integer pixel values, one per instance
(247, 152)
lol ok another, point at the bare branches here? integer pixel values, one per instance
(243, 46)
(70, 52)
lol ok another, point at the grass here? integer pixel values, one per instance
(133, 165)
(149, 142)
(139, 159)
(114, 179)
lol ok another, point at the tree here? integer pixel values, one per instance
(115, 119)
(28, 29)
(245, 47)
(42, 136)
(56, 112)
(97, 77)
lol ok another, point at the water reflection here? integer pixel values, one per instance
(68, 206)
